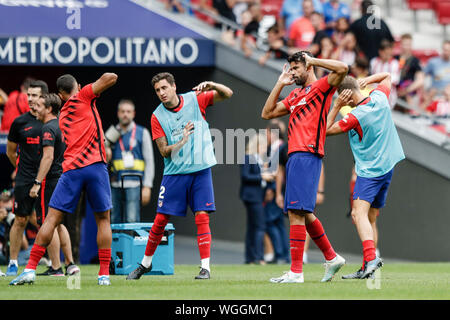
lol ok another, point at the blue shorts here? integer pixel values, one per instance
(373, 190)
(302, 180)
(93, 178)
(177, 191)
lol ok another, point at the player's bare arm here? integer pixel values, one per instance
(342, 100)
(106, 81)
(383, 78)
(163, 145)
(11, 152)
(221, 92)
(272, 108)
(44, 167)
(338, 69)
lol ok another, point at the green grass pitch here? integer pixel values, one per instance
(244, 282)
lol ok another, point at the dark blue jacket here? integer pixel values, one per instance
(251, 190)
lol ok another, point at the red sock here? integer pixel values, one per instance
(317, 233)
(156, 233)
(369, 251)
(37, 252)
(297, 237)
(104, 256)
(203, 235)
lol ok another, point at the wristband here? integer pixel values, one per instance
(36, 182)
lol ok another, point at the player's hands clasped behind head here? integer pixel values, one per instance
(286, 77)
(204, 86)
(344, 98)
(362, 83)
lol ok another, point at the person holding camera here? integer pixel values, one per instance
(132, 165)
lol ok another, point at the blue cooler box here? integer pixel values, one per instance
(128, 248)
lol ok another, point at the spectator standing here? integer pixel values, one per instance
(370, 31)
(225, 9)
(319, 26)
(251, 193)
(386, 62)
(252, 28)
(15, 105)
(334, 10)
(275, 227)
(132, 153)
(412, 77)
(439, 70)
(302, 32)
(347, 50)
(293, 9)
(276, 45)
(340, 30)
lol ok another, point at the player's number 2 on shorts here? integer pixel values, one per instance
(161, 192)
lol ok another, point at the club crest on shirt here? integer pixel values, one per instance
(307, 89)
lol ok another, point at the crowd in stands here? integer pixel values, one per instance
(326, 28)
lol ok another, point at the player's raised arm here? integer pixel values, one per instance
(221, 92)
(338, 69)
(106, 81)
(272, 108)
(383, 78)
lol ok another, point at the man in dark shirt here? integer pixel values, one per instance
(412, 77)
(50, 169)
(370, 30)
(23, 151)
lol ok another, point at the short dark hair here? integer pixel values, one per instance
(53, 101)
(298, 57)
(362, 63)
(385, 44)
(39, 84)
(26, 82)
(365, 5)
(349, 82)
(161, 76)
(65, 83)
(124, 101)
(274, 28)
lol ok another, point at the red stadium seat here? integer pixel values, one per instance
(271, 7)
(425, 54)
(442, 9)
(420, 4)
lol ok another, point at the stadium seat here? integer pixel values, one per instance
(425, 55)
(271, 7)
(442, 10)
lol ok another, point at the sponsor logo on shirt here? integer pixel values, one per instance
(47, 136)
(302, 102)
(31, 140)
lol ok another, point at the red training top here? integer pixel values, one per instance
(16, 105)
(82, 130)
(309, 108)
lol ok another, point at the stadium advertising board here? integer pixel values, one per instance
(96, 33)
(135, 51)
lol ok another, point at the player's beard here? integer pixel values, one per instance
(301, 80)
